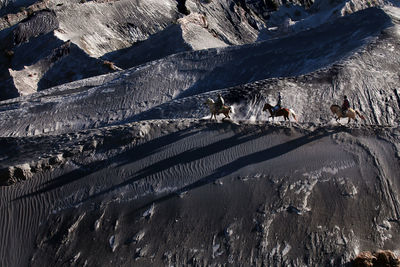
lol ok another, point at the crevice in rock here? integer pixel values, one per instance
(397, 94)
(182, 7)
(271, 5)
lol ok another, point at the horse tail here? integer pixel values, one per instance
(293, 115)
(360, 115)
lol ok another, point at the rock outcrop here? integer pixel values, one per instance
(123, 32)
(128, 33)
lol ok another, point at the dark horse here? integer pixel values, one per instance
(285, 112)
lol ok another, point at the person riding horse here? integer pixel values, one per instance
(345, 111)
(345, 106)
(278, 105)
(220, 102)
(218, 109)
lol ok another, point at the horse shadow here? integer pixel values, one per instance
(183, 158)
(137, 153)
(223, 171)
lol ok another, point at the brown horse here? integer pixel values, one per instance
(214, 111)
(351, 113)
(285, 112)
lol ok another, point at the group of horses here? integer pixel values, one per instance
(285, 112)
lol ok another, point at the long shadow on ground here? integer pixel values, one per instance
(184, 157)
(137, 153)
(196, 154)
(257, 157)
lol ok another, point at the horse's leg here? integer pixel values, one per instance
(338, 118)
(355, 118)
(348, 120)
(286, 117)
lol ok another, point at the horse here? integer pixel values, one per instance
(214, 111)
(285, 112)
(351, 113)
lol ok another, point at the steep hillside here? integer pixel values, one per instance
(190, 192)
(126, 33)
(101, 28)
(336, 57)
(125, 168)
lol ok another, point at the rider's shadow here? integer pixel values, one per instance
(183, 158)
(254, 158)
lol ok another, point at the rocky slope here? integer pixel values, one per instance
(341, 58)
(124, 33)
(101, 28)
(125, 168)
(190, 192)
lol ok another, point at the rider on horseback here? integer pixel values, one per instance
(278, 105)
(220, 102)
(345, 106)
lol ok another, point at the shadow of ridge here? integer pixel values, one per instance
(136, 153)
(166, 42)
(228, 169)
(184, 157)
(244, 161)
(329, 42)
